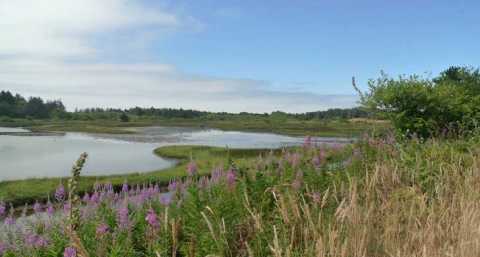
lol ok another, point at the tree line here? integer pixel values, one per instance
(17, 106)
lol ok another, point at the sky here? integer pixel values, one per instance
(220, 55)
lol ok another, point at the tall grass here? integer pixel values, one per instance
(378, 197)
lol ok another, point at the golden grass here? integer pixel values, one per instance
(382, 213)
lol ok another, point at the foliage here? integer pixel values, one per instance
(124, 117)
(448, 104)
(18, 107)
(335, 113)
(35, 107)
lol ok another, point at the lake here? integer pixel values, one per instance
(25, 155)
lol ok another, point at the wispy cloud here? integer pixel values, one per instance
(49, 48)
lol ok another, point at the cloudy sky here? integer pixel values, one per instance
(222, 55)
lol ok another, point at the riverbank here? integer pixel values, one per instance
(290, 127)
(19, 192)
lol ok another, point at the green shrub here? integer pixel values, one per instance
(448, 104)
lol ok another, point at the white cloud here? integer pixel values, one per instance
(40, 39)
(61, 28)
(109, 85)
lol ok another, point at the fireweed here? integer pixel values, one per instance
(377, 197)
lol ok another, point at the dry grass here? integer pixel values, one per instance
(383, 214)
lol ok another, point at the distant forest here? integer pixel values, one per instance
(17, 106)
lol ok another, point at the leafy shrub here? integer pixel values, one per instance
(448, 104)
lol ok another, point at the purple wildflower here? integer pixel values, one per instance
(70, 252)
(125, 187)
(390, 140)
(30, 239)
(165, 199)
(307, 142)
(216, 175)
(297, 183)
(337, 147)
(3, 209)
(231, 178)
(50, 209)
(10, 220)
(122, 217)
(97, 186)
(66, 208)
(102, 229)
(41, 242)
(95, 198)
(172, 186)
(142, 197)
(86, 198)
(109, 187)
(316, 197)
(116, 196)
(138, 190)
(319, 158)
(60, 193)
(37, 207)
(294, 160)
(202, 183)
(316, 161)
(192, 168)
(101, 196)
(152, 219)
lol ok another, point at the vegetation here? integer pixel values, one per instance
(16, 106)
(447, 104)
(374, 198)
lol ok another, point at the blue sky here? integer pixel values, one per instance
(228, 55)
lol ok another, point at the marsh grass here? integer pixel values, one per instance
(292, 127)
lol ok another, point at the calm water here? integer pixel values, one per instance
(52, 156)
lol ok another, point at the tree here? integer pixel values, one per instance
(124, 117)
(36, 108)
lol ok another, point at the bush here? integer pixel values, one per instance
(448, 104)
(124, 118)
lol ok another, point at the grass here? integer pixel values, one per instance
(293, 127)
(19, 192)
